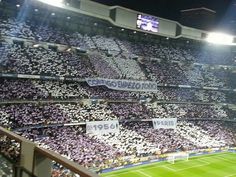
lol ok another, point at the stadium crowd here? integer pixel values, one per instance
(164, 63)
(110, 57)
(33, 114)
(15, 89)
(135, 140)
(41, 61)
(5, 168)
(30, 30)
(10, 149)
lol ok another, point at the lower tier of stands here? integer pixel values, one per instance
(135, 140)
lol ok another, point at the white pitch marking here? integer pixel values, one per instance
(230, 175)
(190, 167)
(169, 168)
(139, 171)
(222, 158)
(203, 161)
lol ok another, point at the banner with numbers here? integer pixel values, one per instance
(167, 123)
(102, 127)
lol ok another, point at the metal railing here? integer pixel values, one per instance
(35, 161)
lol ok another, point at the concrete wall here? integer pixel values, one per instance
(95, 8)
(125, 18)
(167, 27)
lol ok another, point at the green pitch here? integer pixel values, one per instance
(214, 165)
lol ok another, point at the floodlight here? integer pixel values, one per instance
(36, 45)
(57, 3)
(220, 38)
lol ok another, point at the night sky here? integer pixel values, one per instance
(170, 9)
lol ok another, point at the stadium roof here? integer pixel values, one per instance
(171, 9)
(197, 9)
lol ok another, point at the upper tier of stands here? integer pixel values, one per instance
(117, 47)
(166, 62)
(41, 61)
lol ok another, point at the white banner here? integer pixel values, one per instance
(167, 123)
(127, 85)
(102, 127)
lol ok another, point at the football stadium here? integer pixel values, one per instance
(92, 88)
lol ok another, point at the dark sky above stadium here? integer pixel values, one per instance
(170, 9)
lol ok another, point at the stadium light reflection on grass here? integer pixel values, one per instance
(220, 38)
(57, 3)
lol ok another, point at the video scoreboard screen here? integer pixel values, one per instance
(147, 23)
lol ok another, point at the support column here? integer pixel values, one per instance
(27, 157)
(42, 166)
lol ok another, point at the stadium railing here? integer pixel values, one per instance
(34, 161)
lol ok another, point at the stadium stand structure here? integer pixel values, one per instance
(46, 58)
